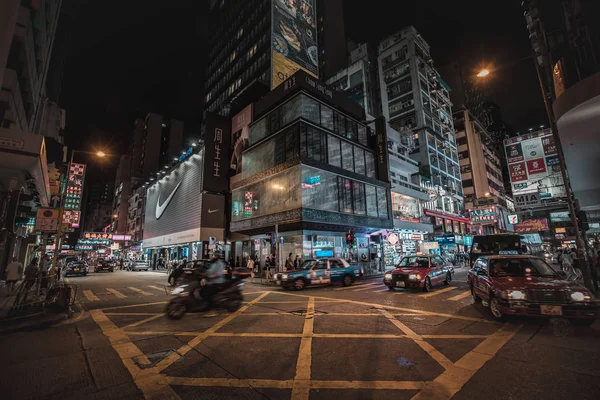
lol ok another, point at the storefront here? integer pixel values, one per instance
(446, 223)
(450, 244)
(398, 244)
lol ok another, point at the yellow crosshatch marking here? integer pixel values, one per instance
(156, 384)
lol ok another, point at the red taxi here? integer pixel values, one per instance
(528, 286)
(419, 271)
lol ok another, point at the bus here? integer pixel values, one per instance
(505, 244)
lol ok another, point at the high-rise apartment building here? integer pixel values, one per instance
(155, 143)
(27, 32)
(565, 39)
(266, 41)
(122, 193)
(416, 103)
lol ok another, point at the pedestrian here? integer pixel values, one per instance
(14, 273)
(289, 263)
(297, 262)
(60, 266)
(273, 266)
(43, 271)
(31, 274)
(250, 266)
(266, 266)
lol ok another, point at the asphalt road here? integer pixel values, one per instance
(360, 342)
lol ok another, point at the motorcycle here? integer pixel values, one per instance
(189, 296)
(175, 274)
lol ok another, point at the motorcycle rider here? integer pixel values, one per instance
(214, 279)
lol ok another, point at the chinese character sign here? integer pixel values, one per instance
(217, 142)
(98, 237)
(74, 190)
(71, 217)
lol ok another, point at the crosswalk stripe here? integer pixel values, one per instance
(363, 288)
(382, 290)
(431, 294)
(157, 288)
(90, 296)
(140, 291)
(355, 286)
(117, 293)
(460, 296)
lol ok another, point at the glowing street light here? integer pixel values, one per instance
(101, 154)
(483, 73)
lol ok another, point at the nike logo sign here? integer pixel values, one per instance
(212, 211)
(160, 208)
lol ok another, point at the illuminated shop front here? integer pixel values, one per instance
(400, 243)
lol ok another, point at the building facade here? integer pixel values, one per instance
(416, 103)
(481, 174)
(565, 38)
(311, 175)
(122, 193)
(27, 32)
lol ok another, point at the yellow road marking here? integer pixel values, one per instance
(357, 336)
(153, 387)
(428, 348)
(300, 387)
(431, 294)
(278, 302)
(393, 385)
(116, 293)
(460, 296)
(365, 288)
(140, 291)
(138, 323)
(134, 305)
(225, 382)
(454, 378)
(410, 310)
(383, 290)
(90, 296)
(132, 313)
(183, 350)
(248, 334)
(355, 286)
(157, 288)
(267, 314)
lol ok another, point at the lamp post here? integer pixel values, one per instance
(581, 245)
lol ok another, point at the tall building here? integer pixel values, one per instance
(481, 174)
(155, 143)
(98, 206)
(266, 41)
(360, 79)
(565, 38)
(122, 193)
(313, 173)
(27, 32)
(135, 218)
(416, 103)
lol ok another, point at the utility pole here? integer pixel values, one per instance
(579, 237)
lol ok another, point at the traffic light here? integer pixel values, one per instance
(582, 221)
(17, 212)
(350, 239)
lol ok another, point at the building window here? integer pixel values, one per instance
(347, 156)
(310, 110)
(358, 191)
(371, 195)
(359, 161)
(382, 211)
(370, 164)
(334, 152)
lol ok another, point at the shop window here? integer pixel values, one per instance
(347, 156)
(326, 117)
(319, 189)
(371, 202)
(362, 134)
(358, 191)
(382, 210)
(258, 131)
(345, 191)
(334, 152)
(370, 164)
(314, 145)
(291, 110)
(359, 161)
(310, 110)
(340, 124)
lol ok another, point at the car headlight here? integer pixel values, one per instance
(414, 277)
(580, 296)
(284, 277)
(516, 295)
(388, 276)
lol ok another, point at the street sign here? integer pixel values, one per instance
(528, 200)
(46, 219)
(513, 219)
(55, 201)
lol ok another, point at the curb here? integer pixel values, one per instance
(37, 320)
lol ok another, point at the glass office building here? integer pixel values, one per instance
(310, 173)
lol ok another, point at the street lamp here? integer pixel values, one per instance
(484, 72)
(98, 153)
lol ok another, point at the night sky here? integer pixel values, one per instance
(125, 58)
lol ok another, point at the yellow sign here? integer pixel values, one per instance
(283, 68)
(48, 213)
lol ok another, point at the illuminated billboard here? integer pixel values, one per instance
(74, 189)
(534, 166)
(293, 39)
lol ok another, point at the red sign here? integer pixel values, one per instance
(537, 166)
(518, 172)
(532, 225)
(549, 145)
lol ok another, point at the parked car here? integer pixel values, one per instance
(324, 271)
(139, 265)
(105, 265)
(420, 272)
(529, 286)
(76, 268)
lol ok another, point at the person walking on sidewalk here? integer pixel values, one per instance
(44, 265)
(14, 273)
(250, 266)
(289, 263)
(31, 275)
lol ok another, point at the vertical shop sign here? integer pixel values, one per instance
(217, 142)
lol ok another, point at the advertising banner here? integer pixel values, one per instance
(483, 216)
(174, 204)
(536, 166)
(293, 39)
(560, 216)
(549, 145)
(514, 153)
(532, 149)
(532, 225)
(217, 144)
(518, 172)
